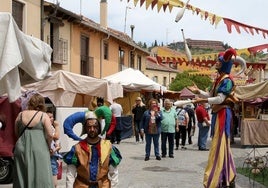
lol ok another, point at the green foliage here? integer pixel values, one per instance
(155, 43)
(144, 45)
(256, 177)
(183, 80)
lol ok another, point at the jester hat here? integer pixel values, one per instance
(226, 60)
(81, 117)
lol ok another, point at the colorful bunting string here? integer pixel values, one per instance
(213, 18)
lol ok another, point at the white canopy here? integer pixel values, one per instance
(62, 87)
(18, 50)
(134, 80)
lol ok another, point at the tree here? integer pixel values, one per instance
(155, 43)
(144, 45)
(184, 79)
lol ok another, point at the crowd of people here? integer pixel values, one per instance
(150, 122)
(93, 161)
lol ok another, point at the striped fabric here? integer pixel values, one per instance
(220, 169)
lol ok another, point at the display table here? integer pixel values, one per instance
(254, 132)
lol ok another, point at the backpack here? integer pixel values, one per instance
(181, 116)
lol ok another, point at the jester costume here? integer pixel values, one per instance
(92, 163)
(220, 170)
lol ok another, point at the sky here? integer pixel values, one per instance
(151, 25)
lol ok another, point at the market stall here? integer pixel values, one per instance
(254, 132)
(254, 113)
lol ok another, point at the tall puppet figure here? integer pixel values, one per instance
(220, 170)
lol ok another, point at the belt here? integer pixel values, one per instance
(217, 107)
(87, 182)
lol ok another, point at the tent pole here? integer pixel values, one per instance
(243, 110)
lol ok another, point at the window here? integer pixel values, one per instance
(121, 58)
(105, 51)
(59, 45)
(132, 57)
(139, 62)
(155, 78)
(17, 13)
(165, 81)
(86, 62)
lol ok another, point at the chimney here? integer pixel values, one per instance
(132, 30)
(103, 14)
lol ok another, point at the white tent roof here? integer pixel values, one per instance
(18, 50)
(62, 87)
(134, 80)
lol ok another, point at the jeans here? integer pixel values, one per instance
(202, 136)
(170, 138)
(54, 165)
(138, 131)
(148, 139)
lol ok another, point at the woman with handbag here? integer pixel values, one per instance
(31, 152)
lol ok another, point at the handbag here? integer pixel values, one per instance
(59, 175)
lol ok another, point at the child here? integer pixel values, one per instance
(54, 147)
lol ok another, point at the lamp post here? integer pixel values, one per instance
(127, 7)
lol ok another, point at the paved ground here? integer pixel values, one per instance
(185, 170)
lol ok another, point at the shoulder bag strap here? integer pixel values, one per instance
(178, 113)
(28, 124)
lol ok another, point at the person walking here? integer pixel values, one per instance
(192, 121)
(151, 126)
(117, 111)
(220, 170)
(31, 153)
(203, 125)
(181, 130)
(138, 109)
(93, 161)
(168, 125)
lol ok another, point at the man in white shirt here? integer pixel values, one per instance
(117, 111)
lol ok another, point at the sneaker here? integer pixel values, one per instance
(158, 158)
(163, 156)
(147, 159)
(171, 156)
(176, 148)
